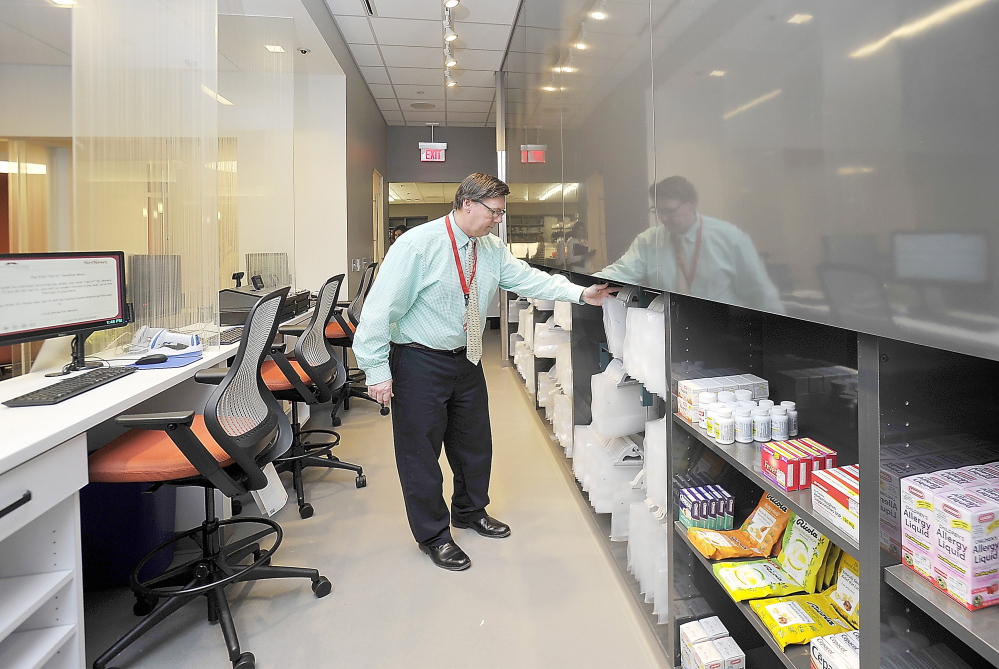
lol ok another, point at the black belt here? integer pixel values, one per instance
(417, 345)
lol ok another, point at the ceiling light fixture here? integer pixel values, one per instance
(63, 3)
(551, 190)
(451, 3)
(939, 17)
(274, 48)
(752, 103)
(449, 59)
(598, 12)
(716, 73)
(448, 81)
(798, 19)
(580, 42)
(449, 34)
(215, 96)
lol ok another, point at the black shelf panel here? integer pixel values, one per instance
(799, 501)
(795, 657)
(975, 628)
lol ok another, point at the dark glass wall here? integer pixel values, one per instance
(838, 159)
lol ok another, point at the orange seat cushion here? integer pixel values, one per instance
(275, 379)
(149, 456)
(334, 331)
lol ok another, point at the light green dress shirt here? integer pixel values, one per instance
(417, 294)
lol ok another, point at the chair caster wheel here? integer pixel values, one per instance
(361, 481)
(306, 510)
(337, 422)
(237, 507)
(245, 661)
(384, 411)
(256, 557)
(144, 605)
(322, 587)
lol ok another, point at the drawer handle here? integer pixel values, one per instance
(25, 498)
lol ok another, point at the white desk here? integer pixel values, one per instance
(44, 450)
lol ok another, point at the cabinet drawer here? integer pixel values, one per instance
(29, 490)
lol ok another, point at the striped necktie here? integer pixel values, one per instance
(473, 322)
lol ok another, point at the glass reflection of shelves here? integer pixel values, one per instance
(795, 657)
(975, 628)
(746, 459)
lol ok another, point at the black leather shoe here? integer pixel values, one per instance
(487, 526)
(447, 556)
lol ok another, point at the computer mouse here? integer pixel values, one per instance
(151, 359)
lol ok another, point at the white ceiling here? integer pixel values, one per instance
(400, 52)
(439, 193)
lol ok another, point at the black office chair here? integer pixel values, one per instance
(312, 376)
(857, 298)
(243, 429)
(340, 332)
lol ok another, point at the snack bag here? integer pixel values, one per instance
(754, 579)
(803, 554)
(833, 556)
(755, 538)
(716, 545)
(766, 522)
(799, 618)
(845, 595)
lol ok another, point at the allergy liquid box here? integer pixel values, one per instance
(691, 634)
(705, 656)
(732, 656)
(919, 520)
(890, 475)
(966, 564)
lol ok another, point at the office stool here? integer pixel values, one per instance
(243, 429)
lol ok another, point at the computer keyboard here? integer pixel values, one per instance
(231, 336)
(67, 388)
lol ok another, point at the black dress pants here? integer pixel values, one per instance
(440, 398)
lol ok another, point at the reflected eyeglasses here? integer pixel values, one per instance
(494, 212)
(664, 211)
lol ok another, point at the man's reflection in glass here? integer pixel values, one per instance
(693, 254)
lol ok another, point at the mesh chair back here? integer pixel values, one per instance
(314, 352)
(367, 279)
(241, 414)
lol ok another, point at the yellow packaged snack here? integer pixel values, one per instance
(799, 618)
(832, 566)
(803, 554)
(755, 538)
(753, 579)
(845, 595)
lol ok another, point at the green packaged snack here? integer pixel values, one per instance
(803, 553)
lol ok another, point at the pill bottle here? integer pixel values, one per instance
(744, 426)
(743, 395)
(731, 405)
(703, 400)
(712, 418)
(778, 423)
(766, 404)
(726, 396)
(726, 427)
(748, 405)
(792, 418)
(761, 424)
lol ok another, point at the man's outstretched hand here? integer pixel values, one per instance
(596, 293)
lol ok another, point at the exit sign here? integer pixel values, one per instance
(432, 152)
(533, 153)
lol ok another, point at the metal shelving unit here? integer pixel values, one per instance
(796, 657)
(799, 501)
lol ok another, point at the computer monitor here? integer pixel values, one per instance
(272, 268)
(942, 257)
(45, 295)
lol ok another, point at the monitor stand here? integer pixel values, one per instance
(79, 359)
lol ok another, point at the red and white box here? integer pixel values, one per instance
(780, 465)
(836, 497)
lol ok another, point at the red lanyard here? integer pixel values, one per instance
(682, 262)
(465, 285)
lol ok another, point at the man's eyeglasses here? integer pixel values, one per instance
(663, 211)
(493, 212)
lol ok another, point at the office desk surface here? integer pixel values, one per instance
(30, 431)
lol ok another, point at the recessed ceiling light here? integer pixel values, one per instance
(568, 69)
(423, 105)
(800, 18)
(580, 45)
(716, 73)
(549, 88)
(598, 15)
(274, 48)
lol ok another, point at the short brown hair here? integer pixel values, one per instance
(676, 188)
(477, 187)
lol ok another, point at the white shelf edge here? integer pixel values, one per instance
(23, 595)
(33, 648)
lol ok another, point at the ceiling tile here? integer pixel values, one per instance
(467, 117)
(388, 104)
(355, 29)
(489, 36)
(375, 75)
(366, 55)
(408, 32)
(407, 9)
(346, 8)
(417, 117)
(486, 11)
(480, 78)
(413, 56)
(470, 93)
(418, 76)
(393, 117)
(406, 104)
(478, 59)
(469, 105)
(462, 124)
(431, 93)
(382, 90)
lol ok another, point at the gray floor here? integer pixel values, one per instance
(548, 596)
